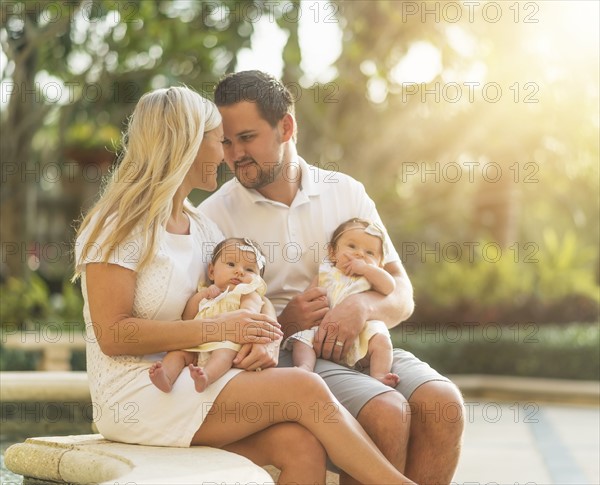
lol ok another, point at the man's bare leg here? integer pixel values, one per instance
(386, 419)
(437, 422)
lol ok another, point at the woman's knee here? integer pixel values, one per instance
(307, 386)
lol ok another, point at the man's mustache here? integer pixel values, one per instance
(243, 160)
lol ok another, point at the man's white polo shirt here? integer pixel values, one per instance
(294, 239)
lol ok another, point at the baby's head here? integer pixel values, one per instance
(357, 238)
(234, 261)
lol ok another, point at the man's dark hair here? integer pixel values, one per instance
(272, 98)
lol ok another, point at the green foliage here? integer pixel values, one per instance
(29, 303)
(566, 267)
(18, 360)
(547, 148)
(485, 285)
(24, 301)
(551, 351)
(68, 305)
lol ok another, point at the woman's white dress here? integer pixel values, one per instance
(127, 406)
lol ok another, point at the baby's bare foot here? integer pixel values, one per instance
(388, 379)
(159, 377)
(199, 376)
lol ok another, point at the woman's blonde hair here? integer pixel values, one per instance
(159, 147)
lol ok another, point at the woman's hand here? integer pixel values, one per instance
(257, 356)
(246, 327)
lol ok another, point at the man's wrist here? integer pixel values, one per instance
(288, 328)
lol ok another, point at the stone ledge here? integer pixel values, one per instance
(89, 459)
(44, 386)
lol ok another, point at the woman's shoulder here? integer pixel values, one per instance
(90, 244)
(107, 228)
(208, 230)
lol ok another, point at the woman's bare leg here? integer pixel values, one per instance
(164, 373)
(219, 362)
(288, 446)
(254, 401)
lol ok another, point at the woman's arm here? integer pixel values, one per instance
(111, 291)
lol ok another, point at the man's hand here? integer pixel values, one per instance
(304, 310)
(254, 356)
(339, 328)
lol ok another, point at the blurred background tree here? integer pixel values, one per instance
(474, 126)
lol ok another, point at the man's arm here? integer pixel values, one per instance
(344, 322)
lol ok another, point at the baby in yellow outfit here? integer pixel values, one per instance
(355, 265)
(235, 272)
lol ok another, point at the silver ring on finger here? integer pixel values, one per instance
(258, 369)
(339, 344)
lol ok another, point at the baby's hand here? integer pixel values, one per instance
(355, 267)
(212, 292)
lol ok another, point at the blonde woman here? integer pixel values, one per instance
(140, 252)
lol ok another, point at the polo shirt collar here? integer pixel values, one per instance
(308, 187)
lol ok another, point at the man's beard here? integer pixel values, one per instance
(253, 176)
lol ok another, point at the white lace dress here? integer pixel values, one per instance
(127, 406)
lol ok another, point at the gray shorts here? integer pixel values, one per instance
(354, 389)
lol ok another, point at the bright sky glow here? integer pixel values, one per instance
(421, 64)
(320, 39)
(268, 41)
(564, 30)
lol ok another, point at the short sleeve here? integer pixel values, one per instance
(368, 211)
(126, 254)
